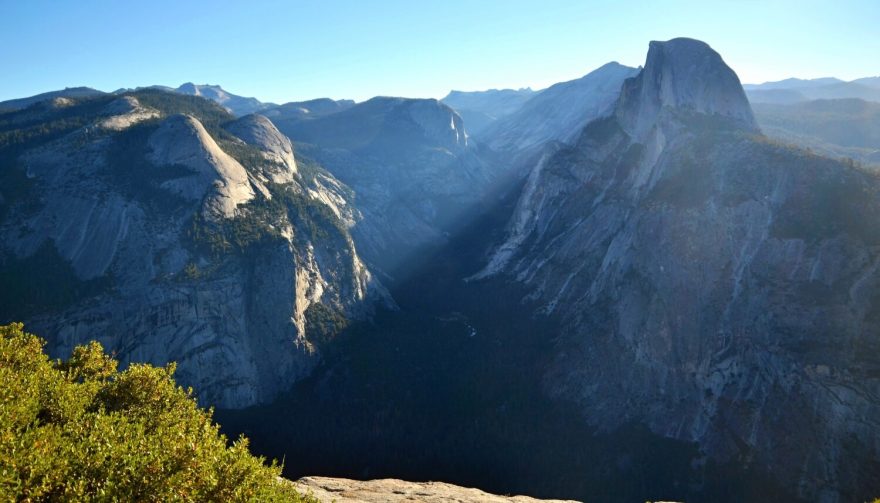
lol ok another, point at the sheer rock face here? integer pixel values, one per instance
(713, 285)
(682, 74)
(121, 211)
(393, 490)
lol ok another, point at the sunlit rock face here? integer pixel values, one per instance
(145, 234)
(713, 285)
(181, 140)
(259, 131)
(125, 112)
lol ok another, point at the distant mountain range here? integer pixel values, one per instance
(67, 93)
(480, 109)
(799, 90)
(237, 105)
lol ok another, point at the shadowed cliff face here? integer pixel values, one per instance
(713, 285)
(139, 221)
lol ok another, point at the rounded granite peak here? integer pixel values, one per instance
(683, 74)
(681, 42)
(181, 140)
(259, 131)
(256, 129)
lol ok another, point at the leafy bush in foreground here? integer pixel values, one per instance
(83, 431)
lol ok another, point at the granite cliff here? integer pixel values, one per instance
(162, 227)
(714, 285)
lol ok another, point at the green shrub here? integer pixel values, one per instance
(83, 431)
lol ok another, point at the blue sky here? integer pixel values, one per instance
(293, 50)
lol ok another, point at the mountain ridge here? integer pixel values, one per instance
(558, 112)
(796, 90)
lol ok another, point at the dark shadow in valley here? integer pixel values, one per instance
(449, 387)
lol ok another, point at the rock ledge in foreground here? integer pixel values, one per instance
(328, 489)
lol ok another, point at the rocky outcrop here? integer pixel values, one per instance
(712, 285)
(392, 490)
(174, 256)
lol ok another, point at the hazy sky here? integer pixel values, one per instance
(293, 50)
